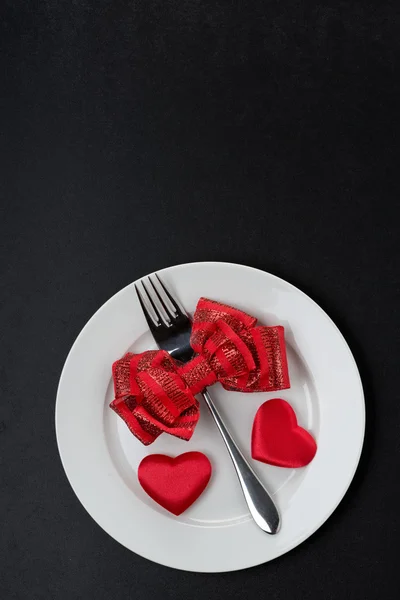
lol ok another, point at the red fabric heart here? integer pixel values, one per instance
(277, 439)
(175, 483)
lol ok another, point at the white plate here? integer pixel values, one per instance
(100, 455)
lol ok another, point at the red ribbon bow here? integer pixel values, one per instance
(156, 394)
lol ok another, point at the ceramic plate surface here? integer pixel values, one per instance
(101, 456)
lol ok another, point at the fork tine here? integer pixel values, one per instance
(167, 305)
(151, 315)
(157, 305)
(178, 309)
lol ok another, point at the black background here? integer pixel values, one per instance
(140, 134)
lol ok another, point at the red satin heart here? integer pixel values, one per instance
(175, 483)
(277, 439)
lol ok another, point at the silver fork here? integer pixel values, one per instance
(171, 328)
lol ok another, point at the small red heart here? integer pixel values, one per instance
(277, 439)
(175, 483)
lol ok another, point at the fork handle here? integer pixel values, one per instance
(260, 503)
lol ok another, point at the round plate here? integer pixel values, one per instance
(101, 456)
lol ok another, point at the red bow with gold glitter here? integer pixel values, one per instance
(156, 394)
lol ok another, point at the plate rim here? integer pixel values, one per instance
(362, 416)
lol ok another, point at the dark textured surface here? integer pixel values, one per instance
(136, 135)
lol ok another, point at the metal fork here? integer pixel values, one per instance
(171, 328)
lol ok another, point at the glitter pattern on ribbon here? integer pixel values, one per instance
(156, 394)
